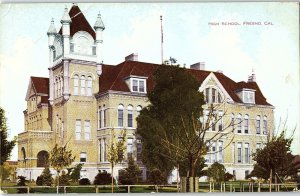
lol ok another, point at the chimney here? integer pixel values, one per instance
(132, 57)
(198, 66)
(220, 71)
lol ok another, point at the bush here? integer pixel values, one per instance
(131, 174)
(64, 179)
(84, 181)
(228, 176)
(75, 174)
(22, 182)
(103, 178)
(45, 178)
(155, 176)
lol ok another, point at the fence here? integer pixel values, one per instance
(203, 187)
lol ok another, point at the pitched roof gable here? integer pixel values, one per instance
(79, 22)
(41, 85)
(113, 78)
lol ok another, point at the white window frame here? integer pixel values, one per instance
(265, 125)
(130, 116)
(129, 147)
(239, 153)
(257, 125)
(246, 124)
(77, 129)
(83, 155)
(87, 130)
(138, 81)
(247, 152)
(89, 86)
(248, 96)
(239, 123)
(76, 84)
(120, 115)
(82, 85)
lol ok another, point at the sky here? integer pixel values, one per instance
(265, 38)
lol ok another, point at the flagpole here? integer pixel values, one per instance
(162, 40)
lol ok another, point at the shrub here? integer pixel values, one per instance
(84, 181)
(228, 176)
(131, 174)
(155, 176)
(75, 174)
(45, 178)
(22, 182)
(103, 178)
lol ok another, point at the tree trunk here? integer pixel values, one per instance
(112, 177)
(270, 189)
(177, 177)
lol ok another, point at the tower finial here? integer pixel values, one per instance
(99, 24)
(51, 29)
(66, 17)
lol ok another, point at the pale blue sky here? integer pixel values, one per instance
(273, 50)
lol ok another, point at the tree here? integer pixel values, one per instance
(115, 152)
(174, 126)
(217, 172)
(275, 159)
(131, 174)
(22, 182)
(60, 158)
(75, 172)
(45, 178)
(157, 177)
(6, 146)
(103, 178)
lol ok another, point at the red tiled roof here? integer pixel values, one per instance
(44, 99)
(41, 85)
(79, 22)
(113, 77)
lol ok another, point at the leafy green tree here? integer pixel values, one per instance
(45, 178)
(172, 134)
(131, 174)
(216, 172)
(6, 146)
(84, 181)
(115, 152)
(275, 159)
(103, 178)
(75, 172)
(60, 158)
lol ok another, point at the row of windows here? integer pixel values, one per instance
(215, 152)
(213, 121)
(86, 130)
(103, 148)
(129, 115)
(34, 123)
(85, 85)
(244, 123)
(212, 95)
(58, 86)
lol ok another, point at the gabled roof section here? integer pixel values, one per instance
(39, 85)
(79, 22)
(113, 78)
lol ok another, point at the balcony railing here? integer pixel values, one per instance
(35, 134)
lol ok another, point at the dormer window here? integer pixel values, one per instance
(247, 95)
(138, 85)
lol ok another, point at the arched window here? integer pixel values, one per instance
(42, 158)
(120, 115)
(138, 109)
(265, 131)
(89, 86)
(23, 153)
(239, 123)
(257, 124)
(76, 84)
(82, 85)
(246, 125)
(129, 116)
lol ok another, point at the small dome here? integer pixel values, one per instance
(51, 29)
(99, 24)
(66, 16)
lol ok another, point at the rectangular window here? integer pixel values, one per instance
(76, 84)
(94, 50)
(139, 149)
(104, 149)
(129, 147)
(141, 86)
(220, 121)
(135, 85)
(257, 126)
(247, 153)
(246, 174)
(120, 117)
(130, 118)
(71, 47)
(207, 95)
(104, 117)
(213, 95)
(100, 150)
(213, 151)
(78, 130)
(219, 98)
(220, 151)
(213, 125)
(239, 148)
(89, 86)
(83, 157)
(87, 130)
(248, 97)
(82, 84)
(99, 118)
